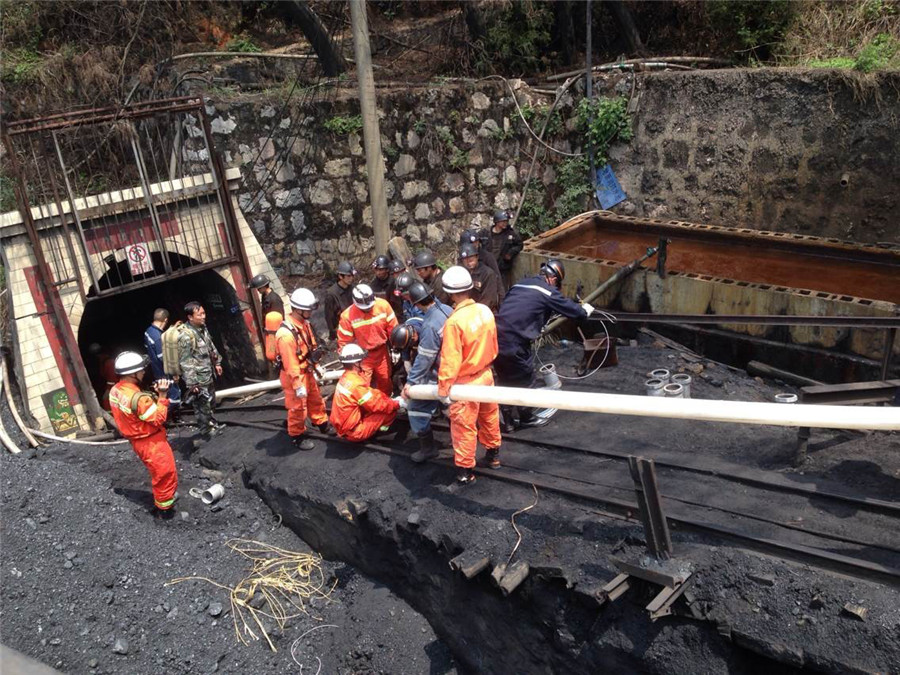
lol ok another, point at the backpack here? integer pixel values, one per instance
(171, 364)
(273, 323)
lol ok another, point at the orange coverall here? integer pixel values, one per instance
(371, 330)
(469, 348)
(358, 410)
(144, 428)
(296, 371)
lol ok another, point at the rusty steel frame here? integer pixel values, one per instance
(760, 319)
(646, 489)
(72, 353)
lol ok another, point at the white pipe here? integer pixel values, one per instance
(51, 437)
(4, 374)
(742, 412)
(271, 385)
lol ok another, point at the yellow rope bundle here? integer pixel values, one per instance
(287, 580)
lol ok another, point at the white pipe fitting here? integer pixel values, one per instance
(685, 381)
(785, 398)
(673, 391)
(551, 379)
(660, 374)
(212, 494)
(655, 387)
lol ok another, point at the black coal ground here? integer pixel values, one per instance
(84, 570)
(797, 620)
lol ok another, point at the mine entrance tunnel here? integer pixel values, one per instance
(117, 322)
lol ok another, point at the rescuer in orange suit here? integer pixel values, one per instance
(368, 322)
(296, 346)
(468, 349)
(141, 419)
(359, 411)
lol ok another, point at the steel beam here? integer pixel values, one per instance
(888, 322)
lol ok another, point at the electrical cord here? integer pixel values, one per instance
(608, 317)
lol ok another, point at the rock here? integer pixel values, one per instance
(488, 128)
(338, 168)
(433, 233)
(172, 613)
(412, 139)
(413, 519)
(55, 642)
(121, 646)
(457, 205)
(267, 112)
(298, 222)
(453, 182)
(68, 564)
(422, 212)
(762, 579)
(510, 175)
(404, 166)
(215, 609)
(413, 189)
(70, 555)
(30, 523)
(489, 177)
(257, 601)
(288, 198)
(109, 597)
(220, 126)
(480, 101)
(321, 193)
(857, 612)
(93, 663)
(817, 602)
(355, 147)
(185, 515)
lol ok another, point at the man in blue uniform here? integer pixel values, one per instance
(154, 347)
(427, 338)
(522, 315)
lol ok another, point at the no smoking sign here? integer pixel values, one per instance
(139, 261)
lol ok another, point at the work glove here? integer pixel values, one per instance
(588, 308)
(400, 401)
(446, 400)
(300, 392)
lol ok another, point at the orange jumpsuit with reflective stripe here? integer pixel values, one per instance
(296, 371)
(468, 350)
(144, 427)
(371, 330)
(358, 410)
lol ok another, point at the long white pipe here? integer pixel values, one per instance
(741, 412)
(270, 385)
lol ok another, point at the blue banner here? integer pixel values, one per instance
(609, 192)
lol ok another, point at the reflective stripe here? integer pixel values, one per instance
(164, 505)
(345, 331)
(341, 389)
(413, 413)
(429, 352)
(148, 413)
(374, 319)
(365, 397)
(534, 288)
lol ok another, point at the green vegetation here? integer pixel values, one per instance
(756, 25)
(420, 127)
(242, 43)
(341, 125)
(518, 37)
(20, 66)
(534, 217)
(536, 116)
(880, 53)
(459, 159)
(603, 121)
(7, 193)
(573, 179)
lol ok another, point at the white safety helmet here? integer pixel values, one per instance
(363, 297)
(352, 353)
(456, 280)
(128, 363)
(304, 299)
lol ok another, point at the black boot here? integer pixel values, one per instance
(492, 458)
(508, 418)
(465, 476)
(529, 419)
(427, 449)
(327, 429)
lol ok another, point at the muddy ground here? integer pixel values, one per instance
(93, 564)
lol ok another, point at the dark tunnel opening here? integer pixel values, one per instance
(117, 323)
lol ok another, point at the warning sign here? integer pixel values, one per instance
(139, 261)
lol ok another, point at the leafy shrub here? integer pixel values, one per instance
(573, 178)
(882, 52)
(603, 121)
(341, 125)
(517, 36)
(536, 116)
(755, 25)
(242, 43)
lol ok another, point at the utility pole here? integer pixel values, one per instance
(371, 132)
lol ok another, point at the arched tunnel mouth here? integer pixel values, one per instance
(117, 322)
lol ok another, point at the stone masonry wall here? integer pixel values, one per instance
(761, 148)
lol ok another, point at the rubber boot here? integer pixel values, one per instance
(492, 458)
(327, 429)
(465, 476)
(302, 443)
(508, 421)
(427, 449)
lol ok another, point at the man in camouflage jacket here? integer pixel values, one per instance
(199, 360)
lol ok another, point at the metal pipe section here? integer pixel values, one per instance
(271, 385)
(739, 412)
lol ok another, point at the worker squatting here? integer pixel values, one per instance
(454, 330)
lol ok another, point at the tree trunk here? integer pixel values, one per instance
(564, 30)
(299, 13)
(474, 20)
(626, 23)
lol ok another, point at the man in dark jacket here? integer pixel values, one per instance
(485, 281)
(382, 283)
(430, 274)
(154, 348)
(505, 244)
(339, 297)
(478, 238)
(525, 310)
(267, 297)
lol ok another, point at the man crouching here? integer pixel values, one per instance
(359, 411)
